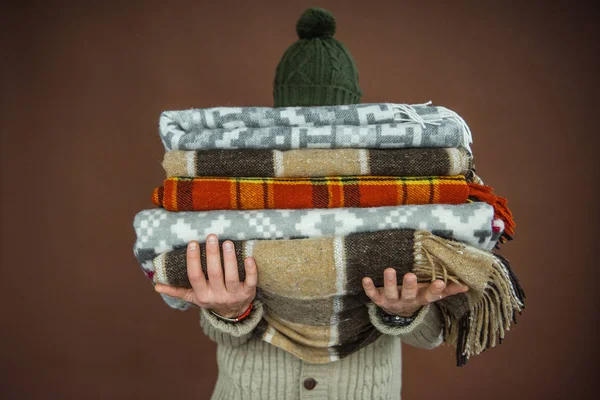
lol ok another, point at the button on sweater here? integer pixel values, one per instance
(254, 369)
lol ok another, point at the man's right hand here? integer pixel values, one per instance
(228, 297)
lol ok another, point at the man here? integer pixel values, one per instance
(316, 70)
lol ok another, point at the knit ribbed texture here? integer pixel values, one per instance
(317, 69)
(311, 94)
(253, 369)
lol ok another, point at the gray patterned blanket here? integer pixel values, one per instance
(159, 231)
(380, 125)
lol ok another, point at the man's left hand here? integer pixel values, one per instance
(408, 299)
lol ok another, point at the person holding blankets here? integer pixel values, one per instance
(262, 356)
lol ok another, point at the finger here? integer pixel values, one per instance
(180, 293)
(409, 288)
(249, 285)
(371, 291)
(194, 268)
(454, 288)
(232, 276)
(213, 264)
(433, 292)
(390, 285)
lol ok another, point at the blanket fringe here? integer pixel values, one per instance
(500, 204)
(407, 113)
(491, 310)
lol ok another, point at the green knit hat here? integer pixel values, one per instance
(317, 70)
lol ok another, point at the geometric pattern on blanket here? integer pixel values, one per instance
(357, 126)
(391, 136)
(158, 230)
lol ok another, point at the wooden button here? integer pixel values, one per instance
(310, 383)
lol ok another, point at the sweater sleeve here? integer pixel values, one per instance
(424, 332)
(231, 333)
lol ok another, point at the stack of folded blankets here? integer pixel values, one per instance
(324, 196)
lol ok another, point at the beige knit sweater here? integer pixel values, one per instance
(251, 369)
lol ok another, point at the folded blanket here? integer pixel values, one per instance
(344, 126)
(318, 162)
(316, 306)
(259, 117)
(158, 230)
(215, 193)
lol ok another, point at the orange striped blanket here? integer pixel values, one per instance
(216, 193)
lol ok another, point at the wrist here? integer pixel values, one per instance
(230, 313)
(401, 319)
(405, 313)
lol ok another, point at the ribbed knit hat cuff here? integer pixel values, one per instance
(303, 96)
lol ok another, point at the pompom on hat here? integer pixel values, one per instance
(316, 70)
(314, 23)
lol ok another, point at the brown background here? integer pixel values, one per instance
(82, 89)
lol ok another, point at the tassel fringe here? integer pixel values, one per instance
(407, 113)
(500, 204)
(492, 309)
